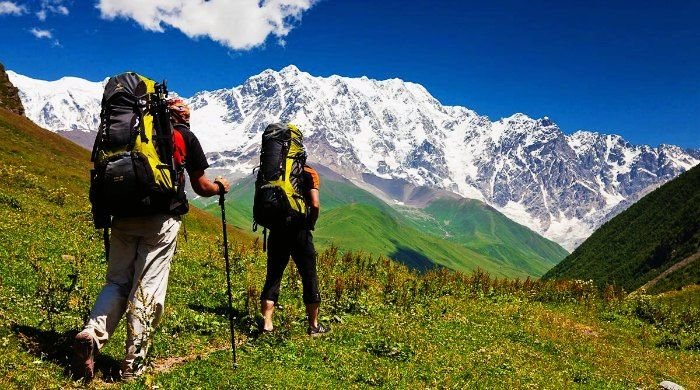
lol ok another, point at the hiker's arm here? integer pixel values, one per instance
(314, 207)
(205, 187)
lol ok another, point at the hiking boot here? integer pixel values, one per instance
(130, 374)
(83, 366)
(317, 331)
(260, 323)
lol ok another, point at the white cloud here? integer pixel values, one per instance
(45, 34)
(52, 7)
(11, 8)
(237, 24)
(40, 34)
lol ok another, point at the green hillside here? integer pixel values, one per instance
(458, 234)
(391, 328)
(657, 233)
(483, 229)
(374, 231)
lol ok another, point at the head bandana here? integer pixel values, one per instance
(179, 111)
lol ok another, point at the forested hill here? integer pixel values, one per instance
(654, 243)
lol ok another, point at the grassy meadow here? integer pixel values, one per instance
(391, 327)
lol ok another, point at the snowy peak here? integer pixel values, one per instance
(63, 85)
(582, 140)
(523, 129)
(290, 70)
(69, 103)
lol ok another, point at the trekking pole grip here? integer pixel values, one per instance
(222, 192)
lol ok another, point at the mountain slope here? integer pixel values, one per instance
(372, 231)
(354, 219)
(477, 225)
(659, 231)
(65, 166)
(561, 186)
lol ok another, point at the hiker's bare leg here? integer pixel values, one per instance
(277, 259)
(312, 314)
(266, 309)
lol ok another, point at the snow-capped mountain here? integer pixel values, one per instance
(562, 186)
(68, 104)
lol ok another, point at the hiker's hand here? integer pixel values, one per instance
(224, 182)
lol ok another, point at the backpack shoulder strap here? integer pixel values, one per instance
(100, 133)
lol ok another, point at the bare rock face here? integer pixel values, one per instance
(9, 94)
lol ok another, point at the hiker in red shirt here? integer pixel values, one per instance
(141, 249)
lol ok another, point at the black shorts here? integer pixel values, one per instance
(300, 245)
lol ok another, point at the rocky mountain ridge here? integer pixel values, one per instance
(562, 186)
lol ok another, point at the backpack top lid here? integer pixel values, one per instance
(278, 129)
(128, 83)
(286, 133)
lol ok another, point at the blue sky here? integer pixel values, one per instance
(629, 68)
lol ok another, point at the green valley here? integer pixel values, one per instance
(456, 233)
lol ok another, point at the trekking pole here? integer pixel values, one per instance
(228, 272)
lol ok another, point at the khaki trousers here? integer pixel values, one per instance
(141, 249)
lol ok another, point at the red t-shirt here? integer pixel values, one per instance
(187, 151)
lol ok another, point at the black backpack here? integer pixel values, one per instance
(279, 200)
(134, 172)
